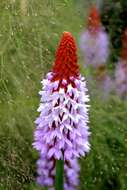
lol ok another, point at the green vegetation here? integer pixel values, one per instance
(114, 18)
(29, 34)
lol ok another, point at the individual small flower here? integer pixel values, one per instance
(62, 130)
(94, 42)
(121, 70)
(46, 169)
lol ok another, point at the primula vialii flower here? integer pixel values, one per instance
(94, 40)
(61, 128)
(121, 69)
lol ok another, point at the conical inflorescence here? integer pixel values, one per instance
(94, 21)
(62, 130)
(65, 64)
(94, 42)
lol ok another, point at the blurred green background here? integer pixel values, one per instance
(29, 34)
(114, 18)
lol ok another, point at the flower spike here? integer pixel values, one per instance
(62, 131)
(94, 42)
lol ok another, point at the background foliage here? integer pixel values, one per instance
(29, 33)
(114, 18)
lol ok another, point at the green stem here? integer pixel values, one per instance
(59, 179)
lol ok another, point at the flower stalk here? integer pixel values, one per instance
(59, 178)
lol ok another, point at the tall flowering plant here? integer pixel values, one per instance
(121, 69)
(62, 130)
(94, 40)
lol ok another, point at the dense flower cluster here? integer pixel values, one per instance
(46, 169)
(61, 128)
(94, 42)
(121, 70)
